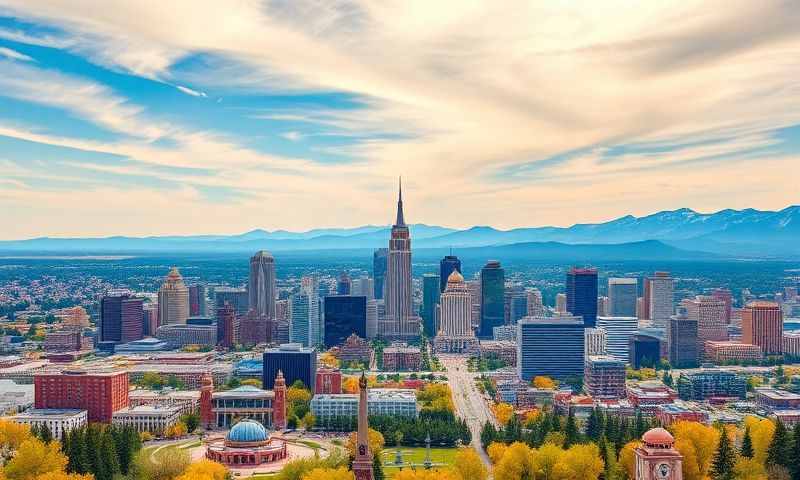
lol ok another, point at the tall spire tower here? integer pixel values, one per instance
(362, 464)
(400, 321)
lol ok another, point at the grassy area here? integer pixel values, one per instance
(445, 456)
(310, 444)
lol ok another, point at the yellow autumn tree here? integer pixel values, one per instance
(761, 432)
(468, 465)
(515, 464)
(329, 360)
(583, 462)
(697, 443)
(409, 474)
(350, 385)
(496, 450)
(545, 460)
(749, 469)
(376, 442)
(12, 434)
(63, 476)
(627, 458)
(34, 458)
(204, 470)
(341, 473)
(544, 382)
(502, 412)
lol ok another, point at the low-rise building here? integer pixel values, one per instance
(58, 421)
(669, 414)
(708, 383)
(774, 399)
(180, 335)
(380, 401)
(647, 396)
(727, 351)
(399, 357)
(15, 397)
(329, 380)
(145, 345)
(229, 406)
(604, 377)
(503, 350)
(148, 418)
(355, 350)
(190, 375)
(505, 333)
(186, 400)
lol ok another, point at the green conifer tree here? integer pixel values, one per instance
(724, 459)
(747, 444)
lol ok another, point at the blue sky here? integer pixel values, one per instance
(220, 117)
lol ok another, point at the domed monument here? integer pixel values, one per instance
(455, 333)
(247, 444)
(657, 458)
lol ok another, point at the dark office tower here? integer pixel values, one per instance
(121, 318)
(515, 304)
(430, 298)
(552, 347)
(226, 326)
(682, 337)
(344, 316)
(261, 284)
(446, 267)
(344, 285)
(623, 293)
(197, 300)
(296, 363)
(643, 351)
(379, 265)
(493, 280)
(582, 294)
(237, 297)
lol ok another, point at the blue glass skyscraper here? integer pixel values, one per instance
(493, 279)
(430, 298)
(446, 267)
(582, 294)
(379, 259)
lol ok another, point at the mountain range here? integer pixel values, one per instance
(749, 232)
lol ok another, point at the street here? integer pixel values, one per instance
(469, 402)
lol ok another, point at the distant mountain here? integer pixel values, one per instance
(746, 232)
(585, 253)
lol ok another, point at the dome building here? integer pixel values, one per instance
(455, 326)
(247, 444)
(657, 458)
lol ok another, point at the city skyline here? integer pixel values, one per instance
(221, 115)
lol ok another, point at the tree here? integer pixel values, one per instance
(376, 442)
(724, 460)
(503, 412)
(594, 425)
(34, 458)
(309, 420)
(191, 420)
(543, 382)
(12, 434)
(667, 378)
(627, 458)
(61, 476)
(253, 382)
(350, 385)
(516, 464)
(205, 470)
(340, 473)
(488, 434)
(584, 462)
(468, 465)
(545, 461)
(697, 443)
(761, 432)
(495, 451)
(747, 444)
(749, 469)
(795, 453)
(571, 431)
(780, 449)
(107, 464)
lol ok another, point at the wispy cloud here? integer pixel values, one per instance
(14, 55)
(189, 91)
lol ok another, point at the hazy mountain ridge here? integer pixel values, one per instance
(729, 232)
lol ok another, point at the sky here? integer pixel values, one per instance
(186, 117)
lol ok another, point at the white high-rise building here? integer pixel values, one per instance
(363, 287)
(261, 284)
(455, 324)
(618, 333)
(561, 302)
(372, 318)
(595, 341)
(622, 296)
(400, 320)
(305, 326)
(660, 302)
(173, 300)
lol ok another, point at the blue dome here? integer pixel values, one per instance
(248, 431)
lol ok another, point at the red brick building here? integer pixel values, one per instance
(762, 325)
(100, 394)
(329, 380)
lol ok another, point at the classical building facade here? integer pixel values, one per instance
(246, 445)
(657, 458)
(455, 327)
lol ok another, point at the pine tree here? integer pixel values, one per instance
(593, 430)
(795, 454)
(45, 434)
(724, 459)
(779, 450)
(667, 378)
(747, 444)
(571, 431)
(641, 426)
(377, 468)
(488, 434)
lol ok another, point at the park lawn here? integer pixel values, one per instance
(445, 456)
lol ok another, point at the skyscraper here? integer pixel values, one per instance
(493, 280)
(551, 347)
(261, 284)
(516, 304)
(709, 313)
(305, 326)
(561, 303)
(344, 285)
(344, 316)
(726, 296)
(455, 332)
(535, 303)
(173, 300)
(430, 298)
(618, 330)
(762, 325)
(197, 300)
(296, 363)
(682, 338)
(236, 297)
(622, 296)
(379, 258)
(400, 320)
(582, 294)
(659, 301)
(446, 267)
(227, 326)
(121, 318)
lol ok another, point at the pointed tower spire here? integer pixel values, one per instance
(400, 222)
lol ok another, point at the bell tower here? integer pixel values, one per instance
(279, 402)
(657, 458)
(206, 394)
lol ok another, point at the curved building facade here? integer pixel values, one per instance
(247, 444)
(261, 284)
(173, 300)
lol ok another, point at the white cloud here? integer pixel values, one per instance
(14, 55)
(292, 136)
(189, 91)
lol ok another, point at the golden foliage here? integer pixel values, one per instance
(761, 432)
(294, 394)
(340, 473)
(502, 412)
(409, 474)
(329, 360)
(34, 458)
(515, 464)
(496, 450)
(697, 443)
(63, 476)
(436, 397)
(350, 385)
(749, 469)
(468, 465)
(545, 461)
(12, 434)
(627, 458)
(204, 470)
(544, 382)
(376, 442)
(176, 431)
(583, 462)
